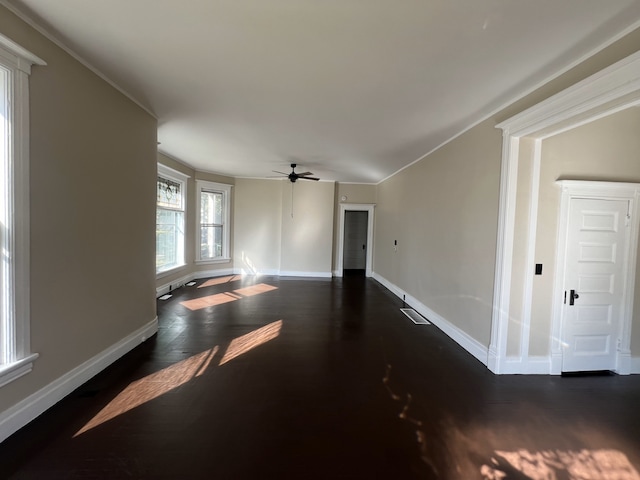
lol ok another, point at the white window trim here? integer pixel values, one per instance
(181, 178)
(225, 190)
(18, 360)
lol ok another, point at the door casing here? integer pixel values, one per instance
(367, 207)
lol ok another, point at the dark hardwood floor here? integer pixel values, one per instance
(276, 378)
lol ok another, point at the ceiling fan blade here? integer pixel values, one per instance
(281, 173)
(304, 174)
(308, 178)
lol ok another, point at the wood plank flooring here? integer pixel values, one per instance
(278, 378)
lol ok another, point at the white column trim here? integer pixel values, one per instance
(611, 90)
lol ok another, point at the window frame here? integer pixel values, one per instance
(225, 190)
(182, 179)
(16, 358)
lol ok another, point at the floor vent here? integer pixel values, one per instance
(415, 316)
(166, 297)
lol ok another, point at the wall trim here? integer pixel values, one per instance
(606, 92)
(49, 36)
(197, 275)
(522, 95)
(459, 336)
(16, 417)
(181, 281)
(527, 366)
(296, 273)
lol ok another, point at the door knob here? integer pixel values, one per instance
(572, 296)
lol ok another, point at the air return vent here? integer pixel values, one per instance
(415, 316)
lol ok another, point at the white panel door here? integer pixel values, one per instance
(594, 283)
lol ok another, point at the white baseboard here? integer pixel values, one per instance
(179, 282)
(211, 273)
(16, 417)
(470, 344)
(296, 273)
(172, 285)
(271, 272)
(526, 366)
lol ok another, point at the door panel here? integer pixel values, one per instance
(596, 242)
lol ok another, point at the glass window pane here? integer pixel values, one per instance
(210, 241)
(169, 193)
(169, 239)
(211, 208)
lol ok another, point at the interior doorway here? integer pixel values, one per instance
(355, 242)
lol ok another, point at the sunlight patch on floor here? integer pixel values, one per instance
(226, 297)
(255, 289)
(220, 280)
(554, 464)
(152, 386)
(251, 340)
(210, 301)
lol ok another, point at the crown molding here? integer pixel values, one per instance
(51, 37)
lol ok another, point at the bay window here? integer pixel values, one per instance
(170, 219)
(212, 210)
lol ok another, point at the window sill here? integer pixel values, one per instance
(166, 273)
(213, 261)
(14, 370)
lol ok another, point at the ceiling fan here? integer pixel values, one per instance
(293, 176)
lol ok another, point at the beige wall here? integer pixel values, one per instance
(307, 237)
(269, 240)
(443, 212)
(258, 225)
(608, 150)
(92, 182)
(190, 266)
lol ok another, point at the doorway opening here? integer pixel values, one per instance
(355, 243)
(355, 240)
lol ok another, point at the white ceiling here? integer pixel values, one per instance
(352, 90)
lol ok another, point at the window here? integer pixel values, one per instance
(171, 194)
(212, 222)
(16, 358)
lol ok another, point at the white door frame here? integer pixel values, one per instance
(573, 189)
(358, 207)
(609, 91)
